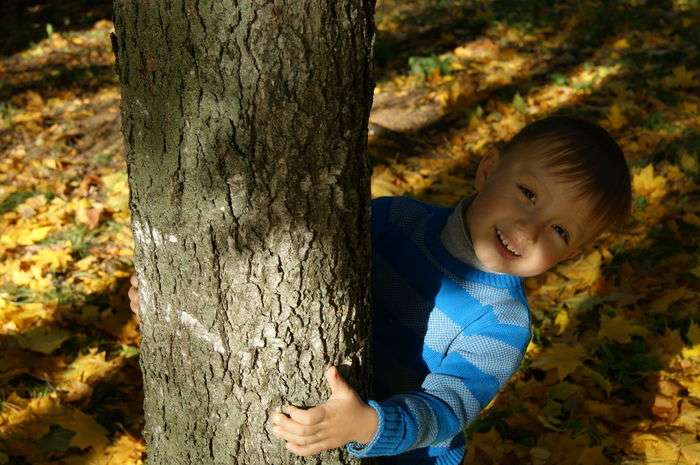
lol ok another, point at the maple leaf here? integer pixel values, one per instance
(564, 447)
(644, 183)
(693, 386)
(668, 346)
(621, 44)
(88, 433)
(564, 358)
(562, 320)
(34, 417)
(117, 190)
(597, 378)
(89, 214)
(23, 315)
(585, 270)
(693, 336)
(691, 218)
(696, 271)
(616, 118)
(24, 236)
(620, 329)
(681, 78)
(88, 368)
(55, 258)
(675, 448)
(689, 163)
(592, 456)
(490, 443)
(665, 300)
(21, 419)
(44, 339)
(689, 416)
(539, 455)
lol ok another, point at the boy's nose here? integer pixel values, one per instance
(527, 231)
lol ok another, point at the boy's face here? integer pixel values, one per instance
(524, 219)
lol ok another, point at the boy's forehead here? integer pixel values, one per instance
(547, 176)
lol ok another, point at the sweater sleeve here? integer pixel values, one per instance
(473, 370)
(380, 214)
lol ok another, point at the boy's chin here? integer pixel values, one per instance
(514, 267)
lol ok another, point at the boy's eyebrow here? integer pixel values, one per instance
(539, 183)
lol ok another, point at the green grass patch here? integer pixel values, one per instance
(426, 66)
(14, 199)
(559, 79)
(79, 236)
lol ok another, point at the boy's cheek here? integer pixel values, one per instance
(576, 253)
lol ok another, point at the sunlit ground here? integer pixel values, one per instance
(613, 371)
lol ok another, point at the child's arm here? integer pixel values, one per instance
(342, 419)
(451, 397)
(475, 368)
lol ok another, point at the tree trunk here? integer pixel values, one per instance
(245, 126)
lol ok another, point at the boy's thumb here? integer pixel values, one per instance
(335, 380)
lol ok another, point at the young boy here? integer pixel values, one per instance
(451, 321)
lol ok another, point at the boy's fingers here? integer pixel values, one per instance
(134, 282)
(295, 438)
(290, 426)
(306, 417)
(133, 296)
(306, 451)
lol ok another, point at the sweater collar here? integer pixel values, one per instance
(451, 245)
(456, 238)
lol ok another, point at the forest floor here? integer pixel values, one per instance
(612, 374)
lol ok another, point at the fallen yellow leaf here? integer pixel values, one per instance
(646, 184)
(688, 162)
(562, 321)
(586, 270)
(616, 118)
(696, 271)
(621, 44)
(676, 448)
(565, 359)
(620, 329)
(44, 339)
(681, 78)
(88, 368)
(593, 456)
(668, 298)
(691, 218)
(126, 450)
(693, 336)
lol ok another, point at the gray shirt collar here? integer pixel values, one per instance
(456, 239)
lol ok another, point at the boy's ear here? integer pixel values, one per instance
(486, 166)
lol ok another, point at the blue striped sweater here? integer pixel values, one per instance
(446, 337)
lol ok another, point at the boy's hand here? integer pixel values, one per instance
(134, 296)
(342, 419)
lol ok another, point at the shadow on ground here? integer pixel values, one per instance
(23, 22)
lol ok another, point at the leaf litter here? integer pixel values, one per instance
(612, 374)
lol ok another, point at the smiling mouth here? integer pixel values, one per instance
(506, 249)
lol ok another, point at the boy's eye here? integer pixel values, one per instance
(527, 193)
(562, 232)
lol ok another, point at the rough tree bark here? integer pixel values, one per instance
(245, 126)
